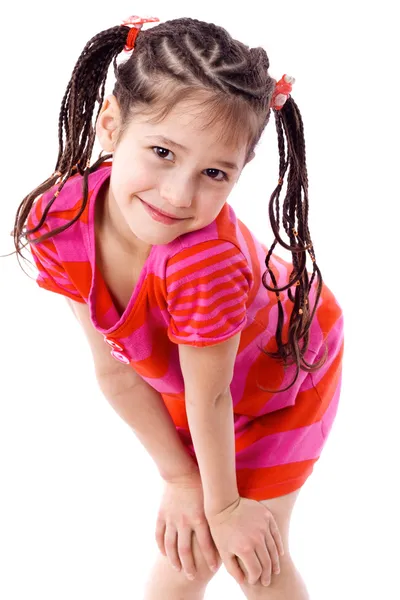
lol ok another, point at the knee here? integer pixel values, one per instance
(286, 566)
(203, 573)
(287, 584)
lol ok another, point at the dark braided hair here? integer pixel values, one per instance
(173, 61)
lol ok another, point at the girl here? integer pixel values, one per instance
(230, 383)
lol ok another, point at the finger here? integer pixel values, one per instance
(276, 534)
(252, 566)
(207, 546)
(273, 552)
(185, 552)
(171, 548)
(160, 533)
(234, 568)
(265, 561)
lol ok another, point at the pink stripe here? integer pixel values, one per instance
(196, 337)
(191, 328)
(304, 443)
(185, 306)
(48, 282)
(330, 413)
(212, 307)
(61, 281)
(234, 283)
(197, 328)
(214, 250)
(46, 254)
(209, 271)
(334, 342)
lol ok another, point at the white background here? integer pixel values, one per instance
(79, 495)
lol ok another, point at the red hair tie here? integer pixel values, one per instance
(282, 91)
(137, 24)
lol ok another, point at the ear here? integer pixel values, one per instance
(252, 155)
(108, 123)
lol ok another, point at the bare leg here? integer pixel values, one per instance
(287, 585)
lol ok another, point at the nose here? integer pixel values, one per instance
(177, 190)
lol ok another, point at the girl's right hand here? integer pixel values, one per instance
(180, 515)
(247, 529)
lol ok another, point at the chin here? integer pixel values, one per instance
(153, 238)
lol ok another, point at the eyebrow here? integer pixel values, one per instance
(168, 142)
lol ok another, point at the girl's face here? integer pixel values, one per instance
(172, 166)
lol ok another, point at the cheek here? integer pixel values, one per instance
(212, 207)
(130, 174)
(129, 183)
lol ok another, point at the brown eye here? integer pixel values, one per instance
(224, 176)
(160, 148)
(213, 171)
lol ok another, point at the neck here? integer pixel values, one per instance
(112, 224)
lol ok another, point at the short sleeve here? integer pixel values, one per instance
(207, 292)
(51, 272)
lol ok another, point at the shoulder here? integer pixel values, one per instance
(63, 259)
(207, 259)
(207, 291)
(57, 211)
(209, 250)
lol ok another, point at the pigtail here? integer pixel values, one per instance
(288, 119)
(85, 88)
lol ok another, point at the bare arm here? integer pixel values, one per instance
(137, 403)
(143, 409)
(212, 430)
(207, 372)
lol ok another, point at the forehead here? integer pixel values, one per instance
(199, 121)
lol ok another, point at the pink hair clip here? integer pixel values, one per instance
(282, 91)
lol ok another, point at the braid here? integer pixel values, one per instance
(82, 93)
(77, 107)
(187, 58)
(289, 119)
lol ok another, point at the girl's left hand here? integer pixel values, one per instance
(247, 530)
(181, 514)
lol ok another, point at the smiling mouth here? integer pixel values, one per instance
(163, 213)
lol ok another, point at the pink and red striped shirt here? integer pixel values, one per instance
(201, 289)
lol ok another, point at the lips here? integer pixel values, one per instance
(160, 212)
